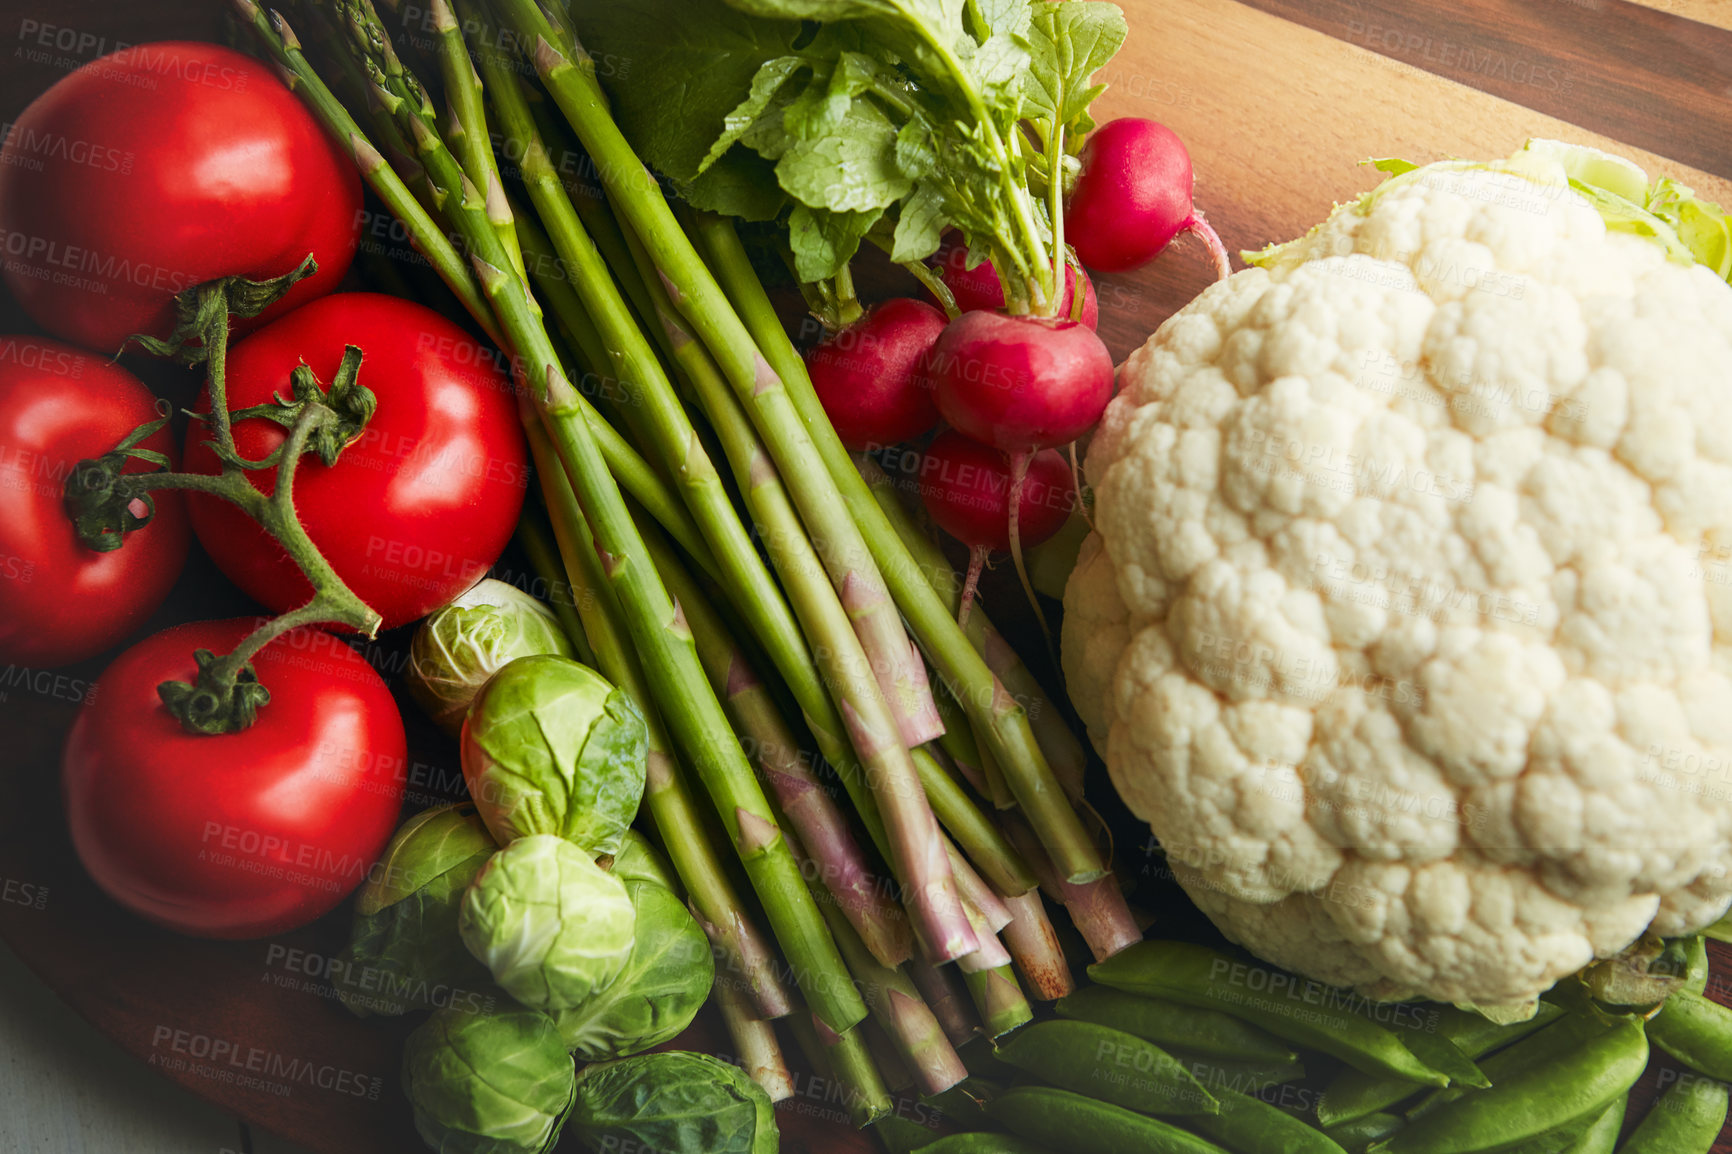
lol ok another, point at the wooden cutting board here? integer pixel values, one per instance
(1279, 100)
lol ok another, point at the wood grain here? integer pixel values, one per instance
(1278, 112)
(1278, 118)
(1632, 73)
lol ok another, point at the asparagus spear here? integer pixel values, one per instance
(844, 1061)
(896, 1005)
(466, 124)
(1002, 721)
(1032, 943)
(1097, 908)
(938, 989)
(755, 1045)
(846, 674)
(532, 534)
(1062, 749)
(694, 716)
(660, 416)
(742, 954)
(638, 199)
(820, 826)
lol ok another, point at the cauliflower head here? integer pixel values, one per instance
(1407, 625)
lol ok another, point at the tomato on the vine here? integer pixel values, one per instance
(60, 600)
(246, 834)
(159, 168)
(421, 504)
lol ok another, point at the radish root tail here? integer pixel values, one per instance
(1204, 231)
(1019, 463)
(971, 584)
(1076, 486)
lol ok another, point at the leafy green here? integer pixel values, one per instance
(405, 952)
(1691, 230)
(911, 109)
(688, 62)
(672, 1103)
(851, 169)
(825, 241)
(1069, 42)
(489, 1083)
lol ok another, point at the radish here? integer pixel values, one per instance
(1133, 197)
(1021, 384)
(967, 489)
(979, 288)
(874, 377)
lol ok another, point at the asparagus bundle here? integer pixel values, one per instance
(659, 350)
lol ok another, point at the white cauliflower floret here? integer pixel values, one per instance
(1408, 622)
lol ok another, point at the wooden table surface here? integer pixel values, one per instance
(1279, 101)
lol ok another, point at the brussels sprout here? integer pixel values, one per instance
(665, 982)
(460, 646)
(638, 860)
(673, 1103)
(405, 953)
(551, 747)
(489, 1083)
(551, 925)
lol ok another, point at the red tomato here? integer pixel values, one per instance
(60, 601)
(247, 834)
(422, 504)
(158, 168)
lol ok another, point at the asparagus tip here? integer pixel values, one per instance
(291, 42)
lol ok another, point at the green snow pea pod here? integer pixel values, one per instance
(1696, 965)
(1685, 1120)
(1240, 1077)
(965, 1102)
(1440, 1053)
(1109, 1065)
(1308, 1014)
(1248, 1125)
(1353, 1094)
(982, 1144)
(1601, 1136)
(1597, 1135)
(1074, 1123)
(1205, 1032)
(1697, 1032)
(1530, 1102)
(1536, 1052)
(1357, 1136)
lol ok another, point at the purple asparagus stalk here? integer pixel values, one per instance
(1097, 908)
(1034, 945)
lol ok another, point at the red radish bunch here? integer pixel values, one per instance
(874, 377)
(1013, 388)
(979, 289)
(968, 487)
(1133, 197)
